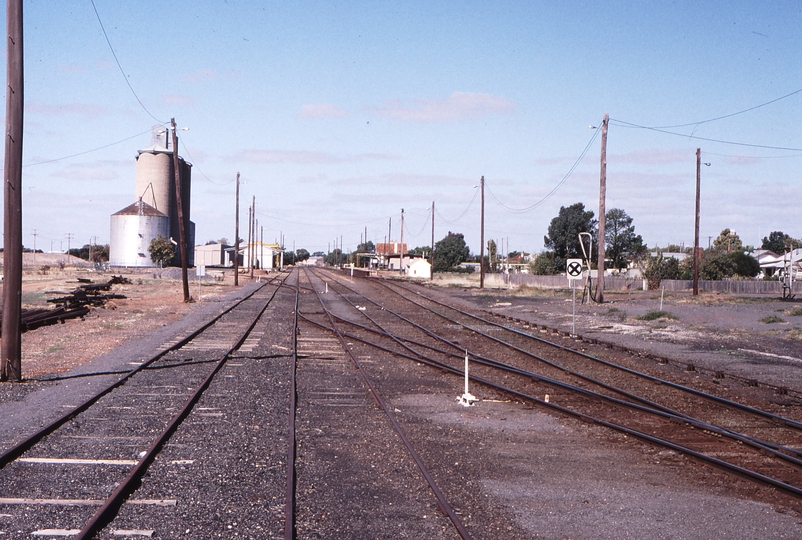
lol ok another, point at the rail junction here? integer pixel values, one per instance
(320, 405)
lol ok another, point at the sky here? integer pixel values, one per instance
(338, 115)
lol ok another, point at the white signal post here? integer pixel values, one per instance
(573, 270)
(467, 399)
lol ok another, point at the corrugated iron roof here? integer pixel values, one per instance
(134, 210)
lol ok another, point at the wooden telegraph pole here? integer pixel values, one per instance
(11, 351)
(182, 235)
(602, 211)
(252, 245)
(401, 265)
(236, 237)
(696, 227)
(431, 257)
(482, 238)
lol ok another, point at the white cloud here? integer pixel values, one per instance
(322, 110)
(456, 107)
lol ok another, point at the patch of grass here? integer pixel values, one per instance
(796, 312)
(656, 314)
(769, 319)
(794, 333)
(54, 348)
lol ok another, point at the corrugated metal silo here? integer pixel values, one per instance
(132, 230)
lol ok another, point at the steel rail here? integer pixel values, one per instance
(289, 505)
(445, 507)
(106, 513)
(658, 441)
(21, 447)
(777, 451)
(786, 453)
(788, 422)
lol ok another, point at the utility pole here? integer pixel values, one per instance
(388, 242)
(34, 248)
(69, 237)
(602, 200)
(696, 225)
(236, 237)
(482, 238)
(401, 264)
(262, 247)
(431, 256)
(250, 238)
(11, 358)
(182, 235)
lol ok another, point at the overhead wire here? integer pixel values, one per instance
(122, 71)
(554, 190)
(731, 114)
(86, 151)
(622, 123)
(406, 226)
(475, 193)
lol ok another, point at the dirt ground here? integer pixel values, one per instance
(154, 299)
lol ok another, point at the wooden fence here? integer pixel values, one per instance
(742, 286)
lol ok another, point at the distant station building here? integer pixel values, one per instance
(155, 210)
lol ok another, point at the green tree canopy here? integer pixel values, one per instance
(544, 264)
(449, 252)
(778, 242)
(161, 251)
(622, 245)
(301, 254)
(366, 247)
(728, 241)
(563, 237)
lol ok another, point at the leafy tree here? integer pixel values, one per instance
(745, 265)
(421, 251)
(491, 264)
(622, 245)
(449, 252)
(334, 257)
(366, 247)
(674, 248)
(727, 241)
(318, 254)
(302, 254)
(778, 242)
(161, 251)
(544, 264)
(289, 258)
(657, 268)
(716, 265)
(563, 237)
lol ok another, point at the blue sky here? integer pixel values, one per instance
(337, 115)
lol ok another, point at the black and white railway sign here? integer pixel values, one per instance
(573, 268)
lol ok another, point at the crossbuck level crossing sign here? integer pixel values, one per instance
(573, 269)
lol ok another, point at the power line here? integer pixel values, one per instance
(86, 151)
(475, 193)
(421, 229)
(195, 165)
(553, 191)
(731, 114)
(622, 123)
(125, 77)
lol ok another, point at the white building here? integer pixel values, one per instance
(420, 268)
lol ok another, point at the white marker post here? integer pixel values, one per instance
(467, 400)
(573, 270)
(200, 271)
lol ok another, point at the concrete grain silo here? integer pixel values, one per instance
(132, 230)
(154, 191)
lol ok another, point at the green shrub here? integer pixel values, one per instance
(769, 319)
(653, 315)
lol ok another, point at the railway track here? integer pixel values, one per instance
(72, 477)
(757, 444)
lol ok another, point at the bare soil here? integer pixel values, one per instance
(153, 299)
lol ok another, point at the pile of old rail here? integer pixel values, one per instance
(753, 457)
(108, 510)
(76, 305)
(332, 326)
